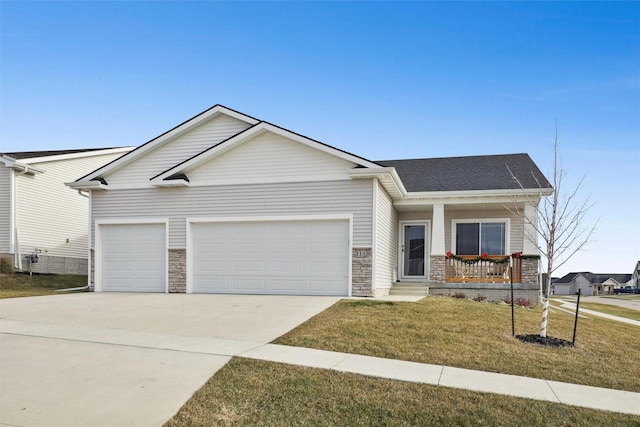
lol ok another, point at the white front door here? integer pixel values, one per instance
(413, 246)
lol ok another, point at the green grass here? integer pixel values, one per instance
(256, 393)
(435, 330)
(468, 334)
(613, 310)
(23, 285)
(623, 296)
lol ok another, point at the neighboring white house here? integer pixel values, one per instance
(635, 276)
(39, 215)
(589, 283)
(227, 203)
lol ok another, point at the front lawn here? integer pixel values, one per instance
(256, 393)
(435, 330)
(613, 310)
(473, 335)
(23, 285)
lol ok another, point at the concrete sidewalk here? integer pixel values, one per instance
(570, 305)
(531, 388)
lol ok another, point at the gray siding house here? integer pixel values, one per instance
(227, 203)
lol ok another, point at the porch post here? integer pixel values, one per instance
(437, 231)
(437, 256)
(530, 237)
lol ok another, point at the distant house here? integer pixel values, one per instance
(589, 283)
(635, 276)
(39, 215)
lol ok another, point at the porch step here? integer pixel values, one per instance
(409, 288)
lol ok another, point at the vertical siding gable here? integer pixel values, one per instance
(270, 158)
(176, 150)
(386, 239)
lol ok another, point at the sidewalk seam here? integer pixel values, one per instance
(553, 391)
(440, 376)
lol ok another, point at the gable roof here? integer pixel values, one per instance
(468, 173)
(253, 131)
(450, 174)
(26, 161)
(168, 135)
(34, 154)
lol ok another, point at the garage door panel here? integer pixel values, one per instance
(212, 267)
(250, 230)
(281, 257)
(288, 248)
(248, 267)
(248, 284)
(133, 257)
(212, 285)
(248, 248)
(287, 267)
(212, 248)
(287, 285)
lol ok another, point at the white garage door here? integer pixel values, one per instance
(133, 258)
(271, 257)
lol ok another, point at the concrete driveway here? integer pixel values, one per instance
(105, 359)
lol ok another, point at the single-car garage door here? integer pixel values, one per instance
(271, 257)
(133, 258)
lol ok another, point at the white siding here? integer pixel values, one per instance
(386, 239)
(270, 158)
(48, 213)
(175, 151)
(5, 209)
(330, 197)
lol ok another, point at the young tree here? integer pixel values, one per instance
(560, 230)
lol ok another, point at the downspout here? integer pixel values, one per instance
(81, 288)
(16, 248)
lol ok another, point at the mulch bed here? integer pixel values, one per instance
(546, 341)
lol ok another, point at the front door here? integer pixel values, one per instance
(414, 250)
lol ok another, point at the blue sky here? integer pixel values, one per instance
(383, 80)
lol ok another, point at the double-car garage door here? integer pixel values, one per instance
(305, 257)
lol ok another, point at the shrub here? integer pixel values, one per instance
(524, 302)
(480, 298)
(460, 295)
(6, 265)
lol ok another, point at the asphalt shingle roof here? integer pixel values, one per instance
(32, 154)
(468, 173)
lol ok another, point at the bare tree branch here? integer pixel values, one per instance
(560, 230)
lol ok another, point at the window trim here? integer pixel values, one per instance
(507, 231)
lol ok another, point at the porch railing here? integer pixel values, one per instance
(491, 269)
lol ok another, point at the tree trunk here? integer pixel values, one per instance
(545, 315)
(545, 297)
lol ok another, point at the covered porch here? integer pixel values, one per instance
(465, 245)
